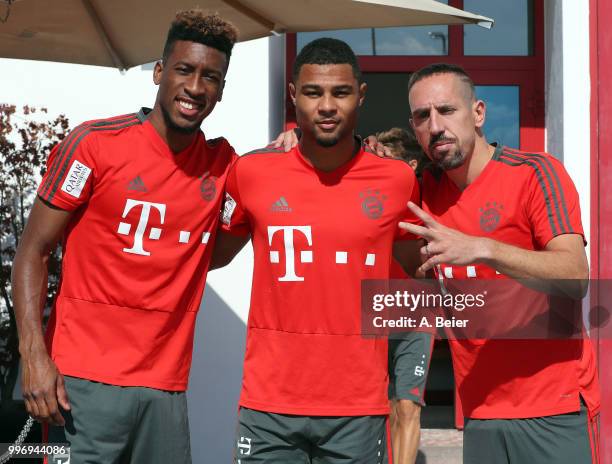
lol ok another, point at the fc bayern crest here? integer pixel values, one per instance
(372, 203)
(208, 187)
(490, 216)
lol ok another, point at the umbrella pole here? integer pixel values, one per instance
(95, 18)
(8, 11)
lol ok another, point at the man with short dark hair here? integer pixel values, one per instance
(322, 218)
(136, 199)
(524, 400)
(410, 352)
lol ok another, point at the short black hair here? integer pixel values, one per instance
(326, 51)
(442, 68)
(403, 144)
(197, 26)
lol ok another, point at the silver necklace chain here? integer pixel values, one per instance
(20, 439)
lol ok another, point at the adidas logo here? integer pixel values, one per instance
(137, 184)
(280, 206)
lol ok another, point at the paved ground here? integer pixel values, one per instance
(440, 446)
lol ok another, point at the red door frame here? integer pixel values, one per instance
(601, 210)
(527, 72)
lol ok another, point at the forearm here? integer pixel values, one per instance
(29, 290)
(406, 253)
(42, 384)
(226, 247)
(218, 262)
(519, 263)
(562, 257)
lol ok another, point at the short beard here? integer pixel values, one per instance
(327, 143)
(450, 163)
(170, 124)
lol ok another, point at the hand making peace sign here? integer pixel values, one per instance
(445, 245)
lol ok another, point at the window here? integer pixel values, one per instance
(506, 63)
(502, 116)
(394, 41)
(512, 34)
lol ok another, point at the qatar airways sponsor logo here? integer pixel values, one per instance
(151, 213)
(76, 179)
(228, 209)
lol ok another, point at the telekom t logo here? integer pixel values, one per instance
(244, 445)
(141, 228)
(305, 256)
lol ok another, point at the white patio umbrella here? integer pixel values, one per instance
(126, 33)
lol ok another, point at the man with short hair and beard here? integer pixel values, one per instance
(524, 400)
(136, 199)
(322, 218)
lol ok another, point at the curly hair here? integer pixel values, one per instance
(197, 26)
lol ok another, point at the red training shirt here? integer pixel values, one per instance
(135, 252)
(316, 235)
(522, 199)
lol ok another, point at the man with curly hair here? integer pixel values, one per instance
(136, 200)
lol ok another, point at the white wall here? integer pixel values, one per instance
(245, 118)
(89, 92)
(576, 101)
(568, 93)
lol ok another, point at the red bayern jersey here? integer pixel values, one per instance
(523, 199)
(135, 252)
(316, 235)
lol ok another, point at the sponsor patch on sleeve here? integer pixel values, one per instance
(76, 179)
(228, 209)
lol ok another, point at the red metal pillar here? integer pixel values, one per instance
(601, 207)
